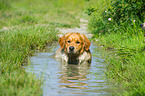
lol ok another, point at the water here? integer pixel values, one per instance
(69, 80)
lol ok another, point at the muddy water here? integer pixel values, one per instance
(69, 80)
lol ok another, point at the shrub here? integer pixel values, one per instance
(119, 15)
(125, 11)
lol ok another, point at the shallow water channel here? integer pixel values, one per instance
(70, 80)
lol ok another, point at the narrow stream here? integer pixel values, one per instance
(70, 80)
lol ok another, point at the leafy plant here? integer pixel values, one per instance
(126, 11)
(90, 11)
(119, 15)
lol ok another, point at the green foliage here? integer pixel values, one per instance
(28, 19)
(4, 4)
(90, 11)
(99, 26)
(26, 12)
(125, 61)
(125, 11)
(15, 46)
(118, 29)
(119, 14)
(26, 26)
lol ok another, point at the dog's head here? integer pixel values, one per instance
(74, 43)
(142, 26)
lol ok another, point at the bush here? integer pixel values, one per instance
(119, 15)
(125, 11)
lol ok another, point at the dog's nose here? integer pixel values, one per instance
(141, 25)
(71, 48)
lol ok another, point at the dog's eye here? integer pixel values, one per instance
(78, 42)
(68, 41)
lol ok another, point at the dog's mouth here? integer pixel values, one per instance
(71, 52)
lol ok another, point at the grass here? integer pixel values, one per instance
(29, 25)
(125, 57)
(16, 45)
(25, 13)
(125, 62)
(26, 26)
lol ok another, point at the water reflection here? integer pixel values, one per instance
(63, 79)
(72, 76)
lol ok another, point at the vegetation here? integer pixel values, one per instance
(26, 26)
(29, 25)
(118, 28)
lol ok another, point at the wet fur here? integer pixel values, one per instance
(81, 53)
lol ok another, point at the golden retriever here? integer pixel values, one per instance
(74, 49)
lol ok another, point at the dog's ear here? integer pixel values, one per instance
(87, 42)
(62, 41)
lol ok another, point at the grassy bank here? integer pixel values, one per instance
(124, 37)
(16, 45)
(26, 26)
(29, 25)
(126, 62)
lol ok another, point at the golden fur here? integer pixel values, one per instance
(74, 48)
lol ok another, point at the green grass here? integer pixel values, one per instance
(25, 13)
(126, 63)
(26, 26)
(15, 46)
(125, 56)
(29, 25)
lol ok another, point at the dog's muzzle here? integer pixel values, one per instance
(71, 48)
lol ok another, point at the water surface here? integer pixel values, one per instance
(69, 80)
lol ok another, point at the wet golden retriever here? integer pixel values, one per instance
(74, 49)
